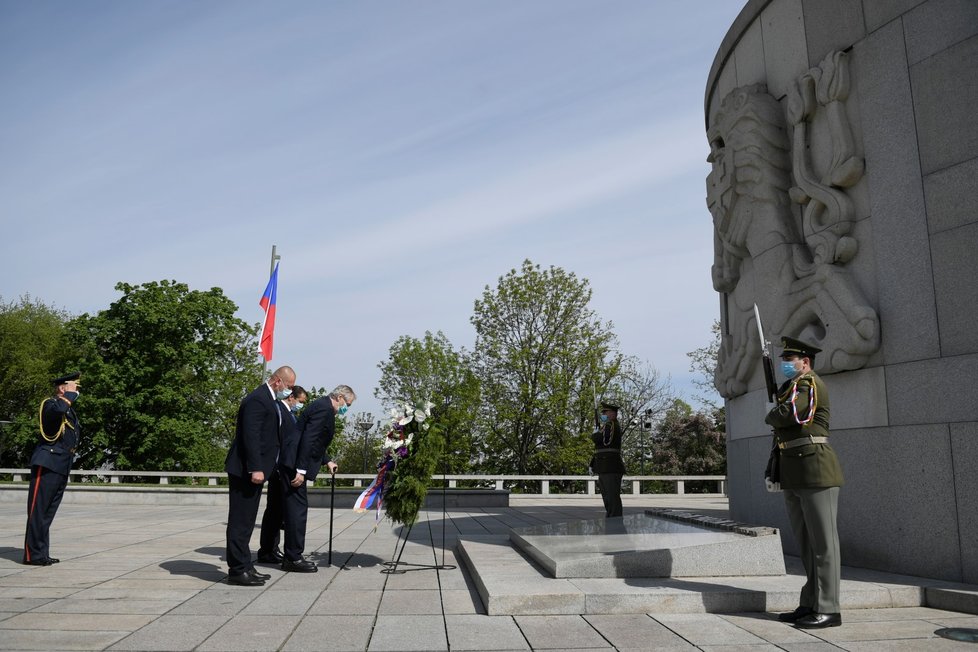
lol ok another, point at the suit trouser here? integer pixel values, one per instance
(44, 495)
(813, 515)
(611, 492)
(244, 497)
(271, 520)
(296, 514)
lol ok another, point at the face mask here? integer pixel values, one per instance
(342, 410)
(283, 394)
(604, 418)
(296, 407)
(71, 396)
(788, 369)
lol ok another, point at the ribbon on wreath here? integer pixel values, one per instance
(374, 494)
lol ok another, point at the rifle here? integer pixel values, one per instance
(597, 414)
(766, 362)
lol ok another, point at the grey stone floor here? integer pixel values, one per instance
(152, 578)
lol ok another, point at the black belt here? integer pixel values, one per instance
(607, 450)
(802, 441)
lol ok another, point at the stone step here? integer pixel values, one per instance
(510, 583)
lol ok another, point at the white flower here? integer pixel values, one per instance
(424, 426)
(419, 415)
(427, 407)
(395, 414)
(405, 420)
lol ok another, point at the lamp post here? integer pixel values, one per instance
(364, 422)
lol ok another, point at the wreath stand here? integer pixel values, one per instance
(396, 567)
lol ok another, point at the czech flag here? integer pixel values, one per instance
(267, 303)
(374, 494)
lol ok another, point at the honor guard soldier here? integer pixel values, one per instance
(58, 436)
(810, 477)
(606, 462)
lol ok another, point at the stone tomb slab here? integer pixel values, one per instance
(658, 543)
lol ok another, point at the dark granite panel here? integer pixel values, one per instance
(880, 12)
(897, 510)
(832, 25)
(942, 390)
(881, 86)
(964, 453)
(938, 24)
(945, 93)
(955, 275)
(952, 196)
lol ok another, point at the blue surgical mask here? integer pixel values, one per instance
(342, 410)
(283, 394)
(788, 369)
(604, 418)
(297, 407)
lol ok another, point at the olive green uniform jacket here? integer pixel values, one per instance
(809, 466)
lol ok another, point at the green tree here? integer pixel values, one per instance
(31, 354)
(644, 397)
(166, 368)
(430, 369)
(703, 361)
(541, 353)
(690, 443)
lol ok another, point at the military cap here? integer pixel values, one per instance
(61, 380)
(791, 346)
(609, 406)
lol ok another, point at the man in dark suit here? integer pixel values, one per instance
(58, 436)
(271, 520)
(302, 455)
(250, 461)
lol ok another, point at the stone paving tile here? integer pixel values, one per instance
(769, 628)
(278, 603)
(20, 605)
(877, 631)
(761, 647)
(413, 579)
(334, 633)
(560, 633)
(422, 602)
(637, 631)
(359, 578)
(398, 634)
(32, 639)
(183, 632)
(913, 645)
(707, 629)
(951, 619)
(346, 602)
(221, 600)
(468, 632)
(108, 606)
(251, 633)
(462, 601)
(79, 622)
(817, 646)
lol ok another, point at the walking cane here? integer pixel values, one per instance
(332, 497)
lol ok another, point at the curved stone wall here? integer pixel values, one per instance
(844, 194)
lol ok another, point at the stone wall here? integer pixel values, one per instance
(844, 195)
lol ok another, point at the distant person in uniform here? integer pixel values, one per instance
(606, 462)
(810, 477)
(250, 461)
(58, 436)
(302, 454)
(271, 520)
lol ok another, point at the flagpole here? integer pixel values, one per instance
(271, 270)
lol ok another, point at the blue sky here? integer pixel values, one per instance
(401, 155)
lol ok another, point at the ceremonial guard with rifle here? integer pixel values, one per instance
(606, 462)
(58, 436)
(805, 467)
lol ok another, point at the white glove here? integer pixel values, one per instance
(772, 487)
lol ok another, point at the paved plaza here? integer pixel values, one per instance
(152, 578)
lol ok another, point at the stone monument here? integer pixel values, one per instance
(844, 196)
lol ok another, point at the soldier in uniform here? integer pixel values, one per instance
(810, 478)
(58, 435)
(606, 462)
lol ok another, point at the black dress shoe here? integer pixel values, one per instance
(245, 579)
(261, 576)
(299, 566)
(793, 616)
(38, 562)
(54, 560)
(270, 557)
(818, 621)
